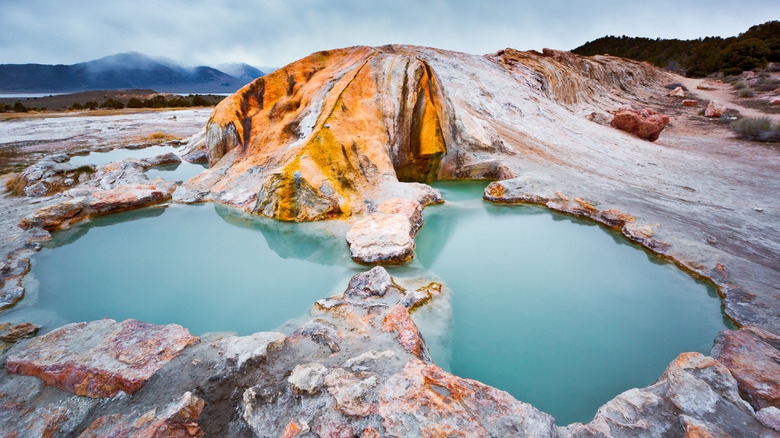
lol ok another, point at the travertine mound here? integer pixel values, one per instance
(333, 134)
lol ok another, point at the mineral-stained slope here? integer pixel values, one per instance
(332, 134)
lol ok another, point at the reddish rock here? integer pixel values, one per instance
(753, 361)
(615, 218)
(690, 102)
(9, 333)
(644, 123)
(126, 198)
(424, 400)
(178, 420)
(715, 109)
(100, 358)
(399, 321)
(774, 100)
(291, 430)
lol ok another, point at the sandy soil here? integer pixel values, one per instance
(723, 94)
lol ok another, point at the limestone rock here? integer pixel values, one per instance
(178, 420)
(333, 134)
(409, 209)
(50, 175)
(644, 123)
(696, 395)
(715, 109)
(10, 333)
(10, 294)
(706, 86)
(423, 400)
(374, 282)
(690, 102)
(245, 348)
(677, 92)
(770, 417)
(382, 238)
(99, 358)
(754, 362)
(308, 377)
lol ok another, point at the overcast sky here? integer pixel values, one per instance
(277, 32)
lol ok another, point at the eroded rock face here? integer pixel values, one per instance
(99, 358)
(644, 123)
(331, 135)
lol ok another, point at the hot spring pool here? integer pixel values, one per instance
(560, 313)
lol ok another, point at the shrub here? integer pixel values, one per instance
(200, 101)
(746, 92)
(76, 106)
(112, 104)
(730, 79)
(91, 105)
(739, 85)
(135, 102)
(178, 102)
(757, 129)
(766, 84)
(19, 108)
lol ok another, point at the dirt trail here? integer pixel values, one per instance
(722, 94)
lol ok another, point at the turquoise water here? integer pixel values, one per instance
(189, 265)
(560, 313)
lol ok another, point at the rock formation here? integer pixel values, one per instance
(337, 133)
(112, 187)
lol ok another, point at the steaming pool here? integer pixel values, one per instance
(559, 312)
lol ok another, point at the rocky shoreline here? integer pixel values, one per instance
(358, 366)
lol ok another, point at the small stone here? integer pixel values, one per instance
(706, 86)
(677, 92)
(715, 109)
(307, 378)
(373, 283)
(690, 102)
(19, 331)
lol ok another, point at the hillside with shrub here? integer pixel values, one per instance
(754, 48)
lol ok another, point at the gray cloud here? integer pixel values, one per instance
(276, 32)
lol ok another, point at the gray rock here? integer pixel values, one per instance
(375, 282)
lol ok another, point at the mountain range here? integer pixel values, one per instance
(123, 71)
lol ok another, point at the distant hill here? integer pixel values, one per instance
(123, 71)
(754, 48)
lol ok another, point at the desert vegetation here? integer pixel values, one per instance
(757, 129)
(754, 48)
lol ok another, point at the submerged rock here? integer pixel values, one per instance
(99, 358)
(644, 123)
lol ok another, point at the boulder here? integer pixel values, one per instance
(715, 109)
(706, 86)
(677, 92)
(99, 358)
(382, 238)
(644, 123)
(690, 102)
(775, 100)
(754, 362)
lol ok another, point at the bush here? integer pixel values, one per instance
(135, 102)
(766, 84)
(178, 102)
(730, 79)
(112, 104)
(76, 106)
(199, 100)
(757, 129)
(19, 108)
(739, 85)
(91, 105)
(746, 92)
